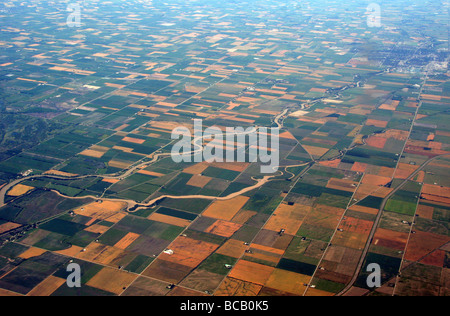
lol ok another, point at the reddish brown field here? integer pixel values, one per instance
(342, 184)
(390, 239)
(189, 252)
(376, 141)
(425, 211)
(359, 167)
(436, 258)
(422, 244)
(356, 225)
(223, 228)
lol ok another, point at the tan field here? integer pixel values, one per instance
(71, 252)
(102, 211)
(226, 210)
(234, 287)
(199, 181)
(119, 164)
(287, 281)
(47, 287)
(127, 240)
(316, 151)
(32, 252)
(8, 226)
(100, 253)
(19, 190)
(223, 228)
(251, 272)
(112, 280)
(288, 217)
(189, 252)
(169, 220)
(233, 248)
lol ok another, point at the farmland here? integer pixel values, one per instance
(86, 173)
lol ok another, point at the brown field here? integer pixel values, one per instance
(287, 281)
(342, 184)
(287, 135)
(93, 153)
(119, 164)
(316, 151)
(19, 190)
(288, 217)
(60, 173)
(404, 170)
(350, 240)
(364, 209)
(99, 253)
(112, 181)
(133, 140)
(263, 256)
(196, 169)
(233, 166)
(233, 248)
(425, 211)
(112, 280)
(390, 107)
(127, 240)
(97, 229)
(376, 123)
(199, 181)
(102, 211)
(436, 198)
(47, 287)
(390, 239)
(234, 287)
(436, 258)
(422, 244)
(32, 252)
(324, 216)
(189, 252)
(359, 167)
(169, 220)
(332, 163)
(436, 190)
(267, 249)
(243, 216)
(223, 228)
(251, 272)
(226, 210)
(166, 271)
(376, 180)
(151, 173)
(376, 141)
(70, 252)
(8, 226)
(356, 225)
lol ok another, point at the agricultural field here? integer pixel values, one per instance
(87, 115)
